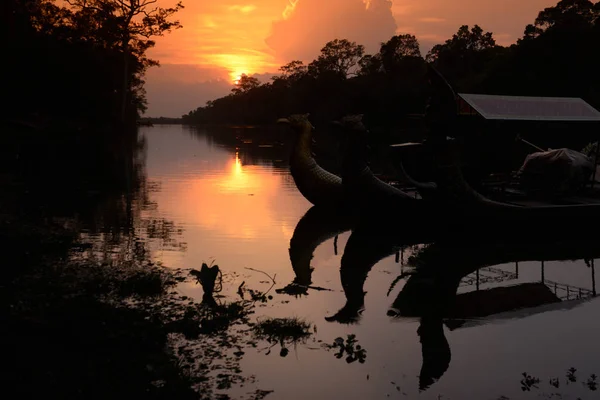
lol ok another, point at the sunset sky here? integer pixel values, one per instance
(222, 39)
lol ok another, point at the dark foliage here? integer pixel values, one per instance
(83, 64)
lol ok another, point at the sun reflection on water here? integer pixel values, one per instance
(238, 180)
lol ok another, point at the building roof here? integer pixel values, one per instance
(531, 108)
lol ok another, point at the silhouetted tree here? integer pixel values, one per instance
(464, 58)
(90, 55)
(370, 65)
(134, 22)
(338, 56)
(398, 49)
(245, 84)
(559, 55)
(568, 13)
(291, 72)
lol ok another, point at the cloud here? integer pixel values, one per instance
(175, 89)
(243, 9)
(432, 19)
(266, 77)
(227, 37)
(289, 9)
(215, 34)
(505, 19)
(307, 25)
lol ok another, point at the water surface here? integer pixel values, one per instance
(230, 200)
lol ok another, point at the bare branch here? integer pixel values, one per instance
(263, 272)
(149, 13)
(147, 3)
(83, 5)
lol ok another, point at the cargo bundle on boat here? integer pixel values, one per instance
(517, 159)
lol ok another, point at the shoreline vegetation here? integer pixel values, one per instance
(149, 121)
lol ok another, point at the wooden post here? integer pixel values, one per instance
(335, 249)
(593, 278)
(595, 163)
(543, 278)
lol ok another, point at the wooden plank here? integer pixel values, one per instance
(409, 144)
(531, 202)
(583, 199)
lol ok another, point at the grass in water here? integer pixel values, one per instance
(284, 331)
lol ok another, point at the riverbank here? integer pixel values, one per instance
(97, 317)
(76, 328)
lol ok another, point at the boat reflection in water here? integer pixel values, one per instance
(441, 270)
(363, 250)
(447, 285)
(318, 225)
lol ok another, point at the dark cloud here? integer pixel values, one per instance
(175, 89)
(266, 77)
(315, 22)
(435, 21)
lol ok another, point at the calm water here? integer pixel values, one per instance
(233, 201)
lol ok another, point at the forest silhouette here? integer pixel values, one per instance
(558, 55)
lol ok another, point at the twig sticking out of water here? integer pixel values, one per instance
(260, 296)
(240, 291)
(272, 278)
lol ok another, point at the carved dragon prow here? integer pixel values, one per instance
(366, 192)
(318, 186)
(427, 190)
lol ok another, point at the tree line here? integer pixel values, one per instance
(558, 55)
(82, 61)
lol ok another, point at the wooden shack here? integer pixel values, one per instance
(499, 131)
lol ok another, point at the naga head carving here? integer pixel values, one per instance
(352, 123)
(298, 122)
(354, 137)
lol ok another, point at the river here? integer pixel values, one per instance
(231, 201)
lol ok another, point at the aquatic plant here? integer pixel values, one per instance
(529, 382)
(354, 352)
(284, 331)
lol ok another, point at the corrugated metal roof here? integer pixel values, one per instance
(531, 108)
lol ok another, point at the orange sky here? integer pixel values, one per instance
(222, 39)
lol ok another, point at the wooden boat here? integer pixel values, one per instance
(366, 193)
(458, 206)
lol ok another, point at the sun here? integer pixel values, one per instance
(236, 76)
